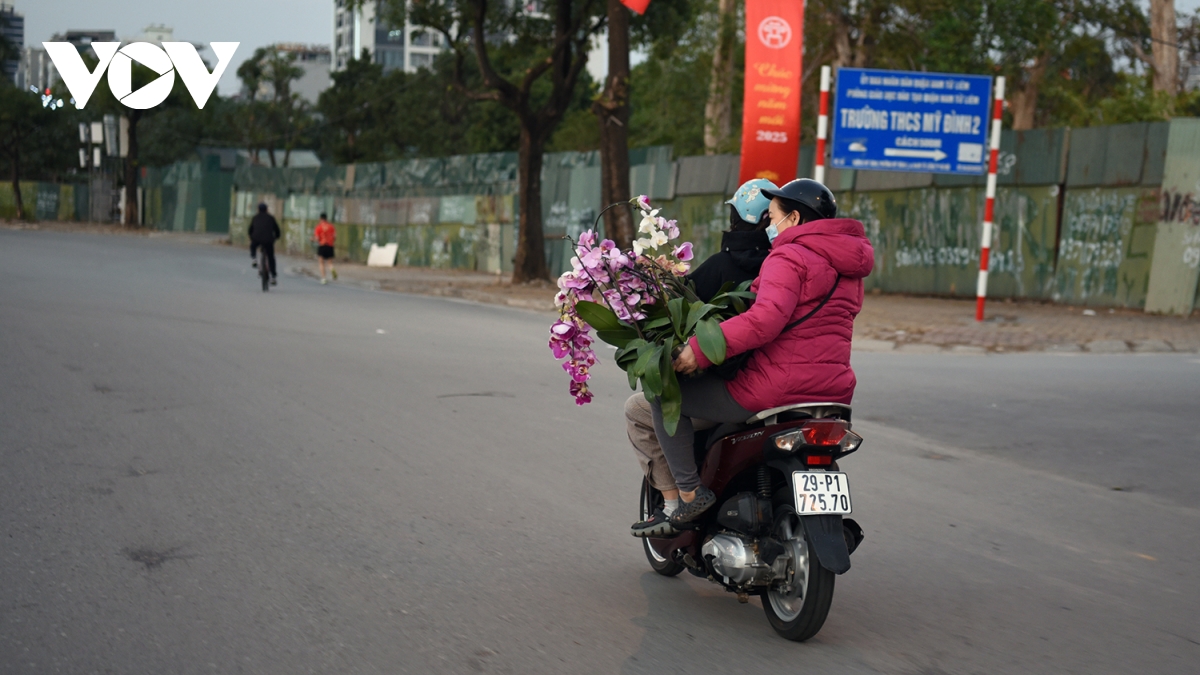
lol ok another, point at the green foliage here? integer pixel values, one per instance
(272, 116)
(1081, 62)
(372, 116)
(35, 141)
(646, 349)
(579, 131)
(669, 89)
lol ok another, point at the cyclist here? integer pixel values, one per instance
(264, 231)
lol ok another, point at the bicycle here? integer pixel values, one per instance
(264, 271)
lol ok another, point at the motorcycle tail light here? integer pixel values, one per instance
(823, 432)
(820, 434)
(818, 460)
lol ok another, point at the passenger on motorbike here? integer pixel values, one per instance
(814, 258)
(743, 249)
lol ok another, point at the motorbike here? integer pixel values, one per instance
(779, 529)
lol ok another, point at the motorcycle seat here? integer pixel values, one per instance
(705, 439)
(802, 411)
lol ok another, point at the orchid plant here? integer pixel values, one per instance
(640, 302)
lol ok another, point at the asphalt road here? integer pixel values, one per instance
(197, 477)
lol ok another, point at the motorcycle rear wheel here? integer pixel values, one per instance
(650, 500)
(799, 613)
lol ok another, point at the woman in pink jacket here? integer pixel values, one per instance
(814, 257)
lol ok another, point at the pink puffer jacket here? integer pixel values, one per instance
(811, 362)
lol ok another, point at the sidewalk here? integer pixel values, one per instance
(887, 322)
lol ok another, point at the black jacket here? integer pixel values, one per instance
(264, 229)
(740, 258)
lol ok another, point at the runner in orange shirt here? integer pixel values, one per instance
(324, 235)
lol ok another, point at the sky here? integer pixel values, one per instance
(253, 23)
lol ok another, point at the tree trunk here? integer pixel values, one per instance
(612, 112)
(718, 110)
(1164, 47)
(16, 182)
(530, 261)
(132, 172)
(1025, 95)
(841, 38)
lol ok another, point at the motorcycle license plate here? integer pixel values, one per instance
(821, 492)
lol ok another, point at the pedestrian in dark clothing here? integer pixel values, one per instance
(264, 231)
(743, 248)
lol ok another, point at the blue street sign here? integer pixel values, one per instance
(888, 120)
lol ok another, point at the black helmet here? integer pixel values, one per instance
(813, 200)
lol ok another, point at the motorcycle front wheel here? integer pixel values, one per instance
(650, 500)
(797, 607)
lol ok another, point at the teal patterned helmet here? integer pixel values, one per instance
(749, 200)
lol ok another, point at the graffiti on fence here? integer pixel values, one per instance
(1191, 249)
(1179, 208)
(1094, 227)
(1106, 243)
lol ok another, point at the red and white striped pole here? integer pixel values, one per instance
(989, 207)
(822, 126)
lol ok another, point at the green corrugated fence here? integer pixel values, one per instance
(1085, 216)
(46, 201)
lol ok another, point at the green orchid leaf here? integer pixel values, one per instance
(699, 311)
(598, 316)
(678, 314)
(627, 356)
(652, 376)
(657, 323)
(671, 401)
(644, 354)
(618, 338)
(712, 340)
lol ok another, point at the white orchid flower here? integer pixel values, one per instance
(658, 239)
(648, 224)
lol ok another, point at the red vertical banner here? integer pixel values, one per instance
(771, 112)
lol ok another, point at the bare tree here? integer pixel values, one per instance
(544, 47)
(718, 109)
(1164, 47)
(612, 111)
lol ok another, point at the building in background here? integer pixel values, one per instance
(83, 39)
(37, 71)
(407, 48)
(12, 28)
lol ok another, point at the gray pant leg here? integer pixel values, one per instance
(639, 423)
(704, 397)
